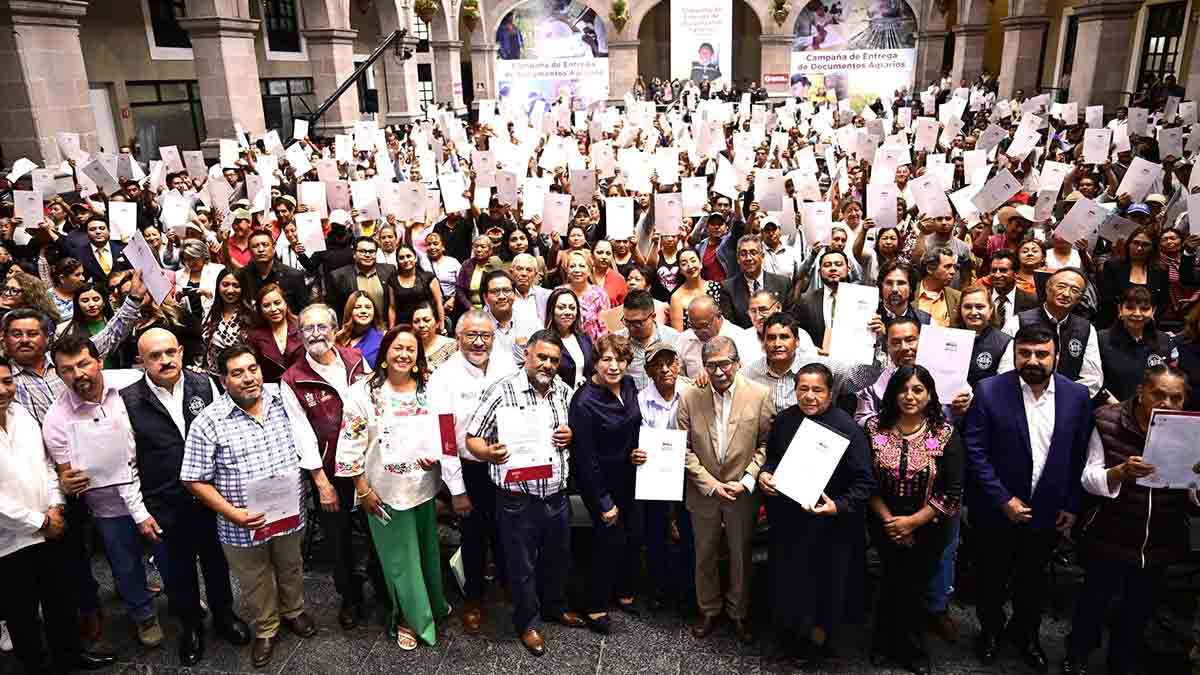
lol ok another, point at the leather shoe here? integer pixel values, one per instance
(472, 618)
(533, 642)
(191, 644)
(349, 615)
(90, 660)
(302, 625)
(944, 626)
(601, 624)
(704, 625)
(1072, 667)
(919, 668)
(985, 648)
(568, 619)
(260, 654)
(233, 630)
(741, 628)
(1033, 655)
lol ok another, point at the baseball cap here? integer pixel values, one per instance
(769, 222)
(715, 215)
(1156, 198)
(241, 214)
(659, 348)
(339, 217)
(1139, 207)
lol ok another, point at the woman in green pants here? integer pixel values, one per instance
(391, 445)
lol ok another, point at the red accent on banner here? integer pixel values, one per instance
(278, 527)
(449, 446)
(542, 472)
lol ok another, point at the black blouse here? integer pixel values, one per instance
(916, 470)
(604, 432)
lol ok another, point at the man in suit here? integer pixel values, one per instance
(263, 270)
(737, 290)
(364, 274)
(1026, 437)
(727, 423)
(935, 296)
(161, 407)
(101, 256)
(1007, 299)
(814, 310)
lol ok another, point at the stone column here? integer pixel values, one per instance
(969, 40)
(331, 52)
(1103, 47)
(622, 68)
(227, 70)
(43, 79)
(403, 87)
(447, 74)
(931, 46)
(483, 71)
(776, 63)
(1020, 61)
(1191, 79)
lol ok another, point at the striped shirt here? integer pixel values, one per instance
(516, 391)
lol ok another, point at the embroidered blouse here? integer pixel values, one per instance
(911, 471)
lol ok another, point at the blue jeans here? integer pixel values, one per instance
(123, 546)
(535, 535)
(941, 586)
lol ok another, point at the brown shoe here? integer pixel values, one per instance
(472, 618)
(704, 625)
(302, 625)
(944, 626)
(260, 653)
(533, 642)
(568, 619)
(742, 628)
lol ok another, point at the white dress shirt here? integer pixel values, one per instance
(335, 374)
(456, 386)
(28, 481)
(1039, 417)
(827, 307)
(1095, 474)
(723, 406)
(172, 400)
(1091, 373)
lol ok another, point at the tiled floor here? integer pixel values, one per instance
(653, 644)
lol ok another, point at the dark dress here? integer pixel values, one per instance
(406, 299)
(605, 432)
(817, 563)
(1114, 279)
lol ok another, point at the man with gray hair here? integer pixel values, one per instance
(320, 381)
(935, 295)
(723, 459)
(529, 302)
(198, 296)
(737, 290)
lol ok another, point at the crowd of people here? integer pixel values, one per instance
(428, 326)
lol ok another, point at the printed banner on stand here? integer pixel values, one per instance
(702, 40)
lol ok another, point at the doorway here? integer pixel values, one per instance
(102, 109)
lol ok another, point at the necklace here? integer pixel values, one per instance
(914, 432)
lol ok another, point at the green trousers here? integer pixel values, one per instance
(412, 568)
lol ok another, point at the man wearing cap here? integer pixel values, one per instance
(284, 207)
(718, 252)
(778, 257)
(263, 270)
(737, 290)
(237, 245)
(1016, 221)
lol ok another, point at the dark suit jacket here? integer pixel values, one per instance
(810, 314)
(735, 296)
(91, 266)
(1000, 458)
(289, 279)
(344, 281)
(567, 366)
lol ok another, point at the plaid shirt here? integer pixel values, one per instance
(229, 448)
(848, 378)
(516, 391)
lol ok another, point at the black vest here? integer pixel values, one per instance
(985, 357)
(157, 440)
(1072, 339)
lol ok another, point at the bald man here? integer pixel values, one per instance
(161, 407)
(705, 323)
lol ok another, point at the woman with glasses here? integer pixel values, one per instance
(362, 328)
(275, 334)
(917, 458)
(396, 481)
(196, 278)
(605, 419)
(817, 553)
(1138, 267)
(25, 290)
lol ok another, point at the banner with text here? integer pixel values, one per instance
(858, 50)
(548, 50)
(702, 40)
(546, 81)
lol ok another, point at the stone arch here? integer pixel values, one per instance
(974, 12)
(326, 13)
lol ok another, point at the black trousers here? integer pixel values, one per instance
(1133, 588)
(615, 548)
(907, 572)
(76, 547)
(190, 535)
(354, 559)
(479, 530)
(40, 576)
(679, 581)
(537, 550)
(1013, 558)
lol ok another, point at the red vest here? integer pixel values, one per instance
(321, 402)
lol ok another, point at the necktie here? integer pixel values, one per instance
(754, 286)
(102, 257)
(829, 326)
(1001, 310)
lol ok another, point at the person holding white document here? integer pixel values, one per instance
(917, 461)
(817, 553)
(391, 442)
(247, 444)
(1134, 533)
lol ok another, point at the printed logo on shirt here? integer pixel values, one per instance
(195, 405)
(1154, 360)
(1075, 347)
(983, 361)
(310, 400)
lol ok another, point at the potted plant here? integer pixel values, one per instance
(470, 12)
(426, 9)
(620, 14)
(780, 10)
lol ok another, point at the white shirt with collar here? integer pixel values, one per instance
(827, 306)
(1010, 306)
(1039, 417)
(456, 386)
(172, 400)
(335, 374)
(723, 406)
(761, 280)
(28, 481)
(1091, 373)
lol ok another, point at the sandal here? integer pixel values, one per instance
(406, 639)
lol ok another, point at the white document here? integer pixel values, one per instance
(101, 176)
(312, 195)
(930, 196)
(506, 187)
(300, 128)
(1170, 142)
(170, 155)
(193, 160)
(27, 205)
(404, 440)
(556, 212)
(454, 187)
(1095, 145)
(881, 203)
(122, 220)
(852, 341)
(1173, 447)
(926, 136)
(695, 195)
(661, 477)
(1094, 115)
(817, 220)
(308, 229)
(364, 198)
(527, 434)
(101, 450)
(1139, 179)
(946, 354)
(1135, 121)
(228, 153)
(278, 498)
(1053, 175)
(412, 201)
(158, 282)
(618, 214)
(809, 462)
(996, 191)
(668, 212)
(1081, 221)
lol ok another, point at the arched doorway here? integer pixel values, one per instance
(654, 43)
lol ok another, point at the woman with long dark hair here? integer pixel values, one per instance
(1138, 267)
(1131, 345)
(362, 328)
(396, 483)
(410, 286)
(228, 319)
(917, 458)
(275, 333)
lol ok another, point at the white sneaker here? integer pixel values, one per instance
(5, 638)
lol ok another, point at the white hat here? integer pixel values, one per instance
(339, 217)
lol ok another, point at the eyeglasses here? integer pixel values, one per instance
(501, 291)
(723, 366)
(9, 290)
(748, 253)
(637, 322)
(1073, 291)
(364, 251)
(316, 328)
(477, 337)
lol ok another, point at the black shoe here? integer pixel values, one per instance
(812, 656)
(601, 624)
(629, 608)
(90, 660)
(985, 648)
(302, 625)
(1033, 655)
(350, 615)
(919, 667)
(191, 644)
(233, 630)
(1072, 666)
(260, 655)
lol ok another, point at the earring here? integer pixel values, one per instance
(415, 370)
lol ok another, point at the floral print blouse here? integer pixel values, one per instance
(911, 471)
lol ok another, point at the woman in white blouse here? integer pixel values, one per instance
(392, 458)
